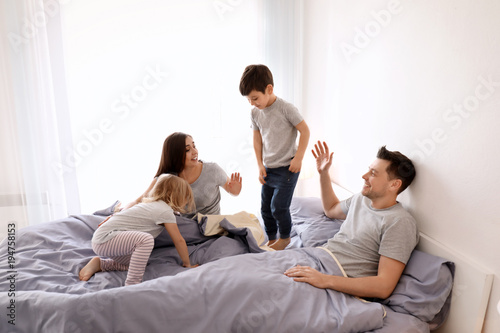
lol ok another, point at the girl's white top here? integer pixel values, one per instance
(147, 217)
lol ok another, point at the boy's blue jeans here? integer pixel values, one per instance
(276, 196)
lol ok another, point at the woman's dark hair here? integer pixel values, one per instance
(173, 155)
(255, 77)
(401, 167)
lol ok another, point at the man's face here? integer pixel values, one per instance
(260, 100)
(376, 180)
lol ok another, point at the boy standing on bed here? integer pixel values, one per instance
(275, 123)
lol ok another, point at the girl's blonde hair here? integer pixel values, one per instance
(174, 190)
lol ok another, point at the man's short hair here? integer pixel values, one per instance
(400, 167)
(255, 77)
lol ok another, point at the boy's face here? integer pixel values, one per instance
(260, 100)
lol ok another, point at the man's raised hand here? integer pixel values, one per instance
(323, 156)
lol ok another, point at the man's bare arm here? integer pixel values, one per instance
(331, 204)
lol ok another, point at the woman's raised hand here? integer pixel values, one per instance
(234, 184)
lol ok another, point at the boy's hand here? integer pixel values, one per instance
(262, 174)
(322, 156)
(295, 165)
(191, 266)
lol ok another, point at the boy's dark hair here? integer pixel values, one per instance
(255, 77)
(401, 167)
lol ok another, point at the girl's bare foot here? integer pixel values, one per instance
(280, 244)
(93, 266)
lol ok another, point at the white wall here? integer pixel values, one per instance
(138, 71)
(414, 76)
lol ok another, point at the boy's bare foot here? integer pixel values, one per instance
(271, 242)
(93, 266)
(280, 244)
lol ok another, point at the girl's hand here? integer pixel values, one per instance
(190, 266)
(107, 218)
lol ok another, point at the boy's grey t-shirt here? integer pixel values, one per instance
(367, 233)
(276, 124)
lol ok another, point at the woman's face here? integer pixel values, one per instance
(191, 152)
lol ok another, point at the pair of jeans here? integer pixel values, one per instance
(276, 196)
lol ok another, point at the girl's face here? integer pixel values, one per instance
(191, 152)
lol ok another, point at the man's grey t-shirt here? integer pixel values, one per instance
(367, 233)
(276, 124)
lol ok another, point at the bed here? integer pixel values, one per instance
(238, 287)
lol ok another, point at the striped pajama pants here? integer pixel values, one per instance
(128, 250)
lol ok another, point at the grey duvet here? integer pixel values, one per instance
(232, 290)
(238, 287)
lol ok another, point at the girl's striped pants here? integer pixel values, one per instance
(128, 250)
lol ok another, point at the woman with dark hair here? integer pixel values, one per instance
(180, 157)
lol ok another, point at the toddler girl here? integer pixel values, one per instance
(127, 237)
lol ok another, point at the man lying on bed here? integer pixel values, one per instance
(378, 235)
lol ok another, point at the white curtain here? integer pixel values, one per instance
(284, 31)
(35, 89)
(283, 47)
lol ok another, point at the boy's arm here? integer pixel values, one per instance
(179, 242)
(296, 163)
(257, 146)
(380, 286)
